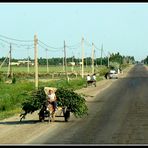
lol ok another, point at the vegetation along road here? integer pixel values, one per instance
(117, 115)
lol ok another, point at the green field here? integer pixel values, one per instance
(53, 72)
(51, 68)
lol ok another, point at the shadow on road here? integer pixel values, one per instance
(28, 122)
(18, 122)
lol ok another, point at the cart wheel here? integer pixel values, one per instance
(41, 116)
(67, 115)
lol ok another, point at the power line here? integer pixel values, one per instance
(7, 42)
(23, 45)
(88, 44)
(16, 43)
(103, 51)
(50, 46)
(96, 47)
(73, 46)
(48, 49)
(15, 39)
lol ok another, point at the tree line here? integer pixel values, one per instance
(114, 57)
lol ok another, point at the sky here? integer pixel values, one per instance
(118, 27)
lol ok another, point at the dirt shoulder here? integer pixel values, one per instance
(14, 132)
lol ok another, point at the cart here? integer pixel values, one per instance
(46, 114)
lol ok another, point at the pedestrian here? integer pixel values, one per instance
(88, 78)
(106, 75)
(94, 77)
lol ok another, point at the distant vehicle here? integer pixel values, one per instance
(113, 74)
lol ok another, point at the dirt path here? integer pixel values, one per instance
(14, 132)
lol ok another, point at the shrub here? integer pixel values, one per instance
(75, 102)
(13, 80)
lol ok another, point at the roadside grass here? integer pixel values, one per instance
(11, 96)
(9, 113)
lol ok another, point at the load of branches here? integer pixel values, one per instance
(65, 97)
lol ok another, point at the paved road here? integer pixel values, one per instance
(118, 115)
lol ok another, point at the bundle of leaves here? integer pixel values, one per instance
(74, 101)
(34, 101)
(65, 97)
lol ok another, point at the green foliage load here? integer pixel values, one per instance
(75, 102)
(65, 97)
(34, 101)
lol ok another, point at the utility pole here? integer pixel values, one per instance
(65, 61)
(28, 59)
(95, 57)
(82, 42)
(79, 61)
(36, 60)
(92, 58)
(9, 66)
(101, 53)
(72, 65)
(86, 61)
(47, 60)
(108, 58)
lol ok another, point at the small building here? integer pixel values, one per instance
(14, 63)
(71, 63)
(26, 62)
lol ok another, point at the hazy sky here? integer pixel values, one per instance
(120, 27)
